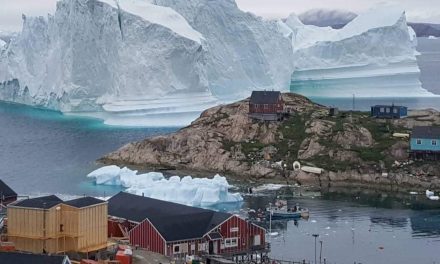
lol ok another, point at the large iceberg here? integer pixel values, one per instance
(142, 62)
(373, 55)
(161, 62)
(187, 190)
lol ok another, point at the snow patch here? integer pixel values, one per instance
(185, 190)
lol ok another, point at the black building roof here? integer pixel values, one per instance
(173, 221)
(27, 258)
(427, 132)
(396, 106)
(44, 202)
(84, 202)
(6, 191)
(265, 97)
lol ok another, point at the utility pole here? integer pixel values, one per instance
(320, 253)
(315, 236)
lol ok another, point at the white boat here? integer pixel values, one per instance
(282, 211)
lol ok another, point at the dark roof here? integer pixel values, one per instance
(173, 221)
(427, 132)
(396, 106)
(44, 202)
(84, 202)
(265, 97)
(26, 258)
(215, 235)
(6, 191)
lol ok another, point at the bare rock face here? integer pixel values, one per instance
(399, 151)
(353, 135)
(309, 148)
(320, 127)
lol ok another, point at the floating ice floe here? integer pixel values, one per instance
(269, 187)
(430, 195)
(185, 190)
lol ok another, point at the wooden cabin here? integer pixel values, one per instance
(425, 143)
(266, 106)
(27, 258)
(49, 225)
(389, 111)
(7, 195)
(177, 230)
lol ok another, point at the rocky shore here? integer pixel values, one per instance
(351, 148)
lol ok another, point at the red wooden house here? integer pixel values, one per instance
(266, 105)
(177, 230)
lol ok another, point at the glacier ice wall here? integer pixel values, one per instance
(137, 62)
(91, 55)
(185, 190)
(245, 51)
(374, 55)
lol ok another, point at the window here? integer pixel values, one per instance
(231, 242)
(388, 110)
(382, 110)
(419, 142)
(234, 229)
(266, 106)
(257, 240)
(395, 110)
(176, 249)
(434, 142)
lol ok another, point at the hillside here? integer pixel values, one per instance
(350, 148)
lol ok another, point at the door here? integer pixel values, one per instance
(211, 247)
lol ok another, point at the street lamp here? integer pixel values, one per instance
(315, 236)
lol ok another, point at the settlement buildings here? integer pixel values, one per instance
(389, 111)
(7, 195)
(177, 230)
(266, 106)
(49, 225)
(425, 143)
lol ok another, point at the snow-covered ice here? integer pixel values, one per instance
(373, 55)
(131, 62)
(185, 190)
(162, 62)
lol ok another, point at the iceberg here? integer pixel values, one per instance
(373, 55)
(200, 192)
(142, 62)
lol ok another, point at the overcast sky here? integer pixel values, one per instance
(417, 10)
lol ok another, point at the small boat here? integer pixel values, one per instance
(285, 214)
(281, 211)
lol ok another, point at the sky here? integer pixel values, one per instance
(417, 10)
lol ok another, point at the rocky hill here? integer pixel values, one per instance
(350, 148)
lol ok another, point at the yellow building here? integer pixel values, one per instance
(49, 225)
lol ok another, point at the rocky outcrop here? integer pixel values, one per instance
(355, 149)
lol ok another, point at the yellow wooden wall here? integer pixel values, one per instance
(26, 229)
(83, 228)
(93, 227)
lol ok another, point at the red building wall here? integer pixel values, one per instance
(246, 234)
(146, 236)
(270, 109)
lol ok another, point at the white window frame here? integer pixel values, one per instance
(257, 240)
(231, 242)
(234, 229)
(419, 142)
(382, 110)
(174, 249)
(388, 110)
(434, 142)
(266, 106)
(395, 110)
